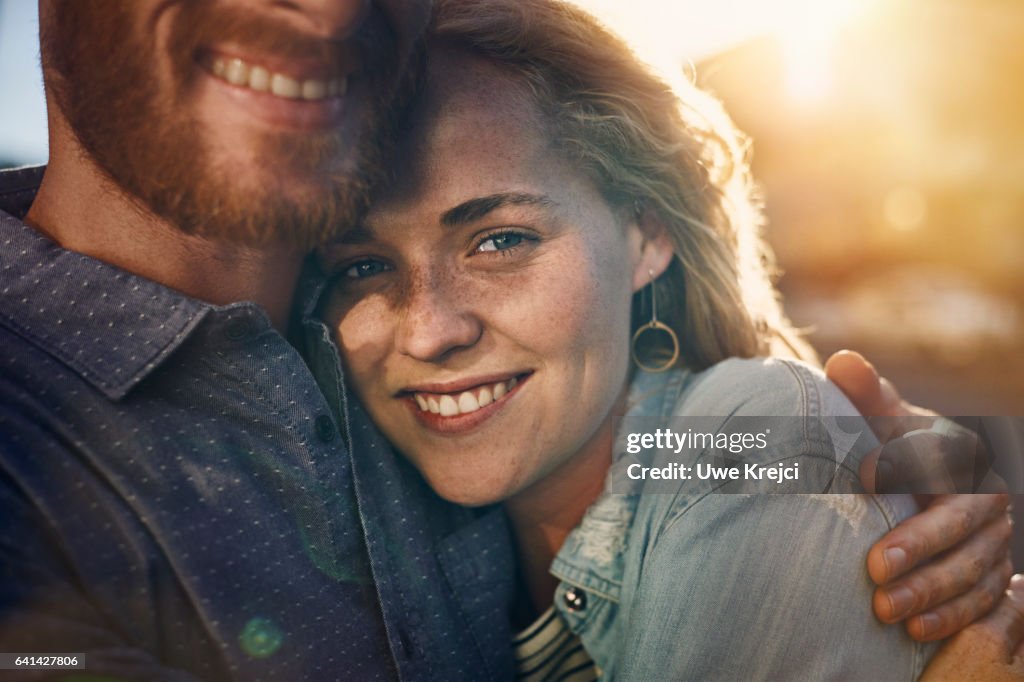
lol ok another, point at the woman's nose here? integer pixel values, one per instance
(437, 319)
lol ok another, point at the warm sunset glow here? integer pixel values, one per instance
(808, 31)
(905, 208)
(670, 33)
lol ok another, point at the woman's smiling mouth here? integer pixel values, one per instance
(452, 410)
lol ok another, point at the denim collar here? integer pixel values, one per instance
(592, 557)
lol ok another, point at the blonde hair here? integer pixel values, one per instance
(646, 147)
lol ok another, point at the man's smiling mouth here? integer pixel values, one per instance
(244, 74)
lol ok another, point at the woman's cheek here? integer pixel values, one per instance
(361, 334)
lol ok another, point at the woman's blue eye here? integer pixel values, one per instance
(501, 242)
(365, 268)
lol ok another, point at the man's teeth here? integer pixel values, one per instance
(238, 72)
(468, 401)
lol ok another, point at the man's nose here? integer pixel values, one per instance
(436, 320)
(330, 19)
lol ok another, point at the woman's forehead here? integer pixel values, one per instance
(477, 94)
(475, 122)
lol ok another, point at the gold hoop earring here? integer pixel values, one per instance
(654, 325)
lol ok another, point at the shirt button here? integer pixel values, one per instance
(575, 599)
(239, 329)
(324, 427)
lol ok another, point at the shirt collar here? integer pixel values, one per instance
(111, 327)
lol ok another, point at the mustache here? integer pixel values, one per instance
(200, 23)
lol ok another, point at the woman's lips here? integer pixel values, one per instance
(462, 410)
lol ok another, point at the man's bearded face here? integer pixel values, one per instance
(144, 88)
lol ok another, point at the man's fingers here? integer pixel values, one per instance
(947, 522)
(941, 458)
(1013, 603)
(924, 463)
(871, 394)
(958, 613)
(857, 378)
(896, 404)
(920, 452)
(978, 568)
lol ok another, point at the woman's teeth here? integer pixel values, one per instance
(243, 74)
(450, 405)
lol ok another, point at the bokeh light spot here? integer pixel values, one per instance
(261, 638)
(905, 208)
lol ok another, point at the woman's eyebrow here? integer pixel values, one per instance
(477, 208)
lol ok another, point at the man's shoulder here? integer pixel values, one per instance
(41, 402)
(26, 369)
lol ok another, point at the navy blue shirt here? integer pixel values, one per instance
(184, 493)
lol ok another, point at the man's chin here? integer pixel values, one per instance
(300, 224)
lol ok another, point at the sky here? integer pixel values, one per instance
(666, 33)
(22, 112)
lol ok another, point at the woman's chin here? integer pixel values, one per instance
(470, 493)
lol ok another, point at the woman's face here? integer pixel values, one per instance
(483, 307)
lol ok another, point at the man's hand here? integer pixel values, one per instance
(987, 651)
(947, 566)
(921, 452)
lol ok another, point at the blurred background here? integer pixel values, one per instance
(892, 157)
(888, 138)
(22, 111)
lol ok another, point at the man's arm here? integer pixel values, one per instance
(941, 569)
(990, 650)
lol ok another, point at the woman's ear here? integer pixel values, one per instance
(651, 248)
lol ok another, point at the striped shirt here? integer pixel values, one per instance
(547, 651)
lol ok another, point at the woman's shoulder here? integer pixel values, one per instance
(698, 554)
(766, 412)
(763, 386)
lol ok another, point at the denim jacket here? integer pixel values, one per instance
(700, 585)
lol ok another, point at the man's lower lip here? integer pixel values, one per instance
(294, 114)
(463, 423)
